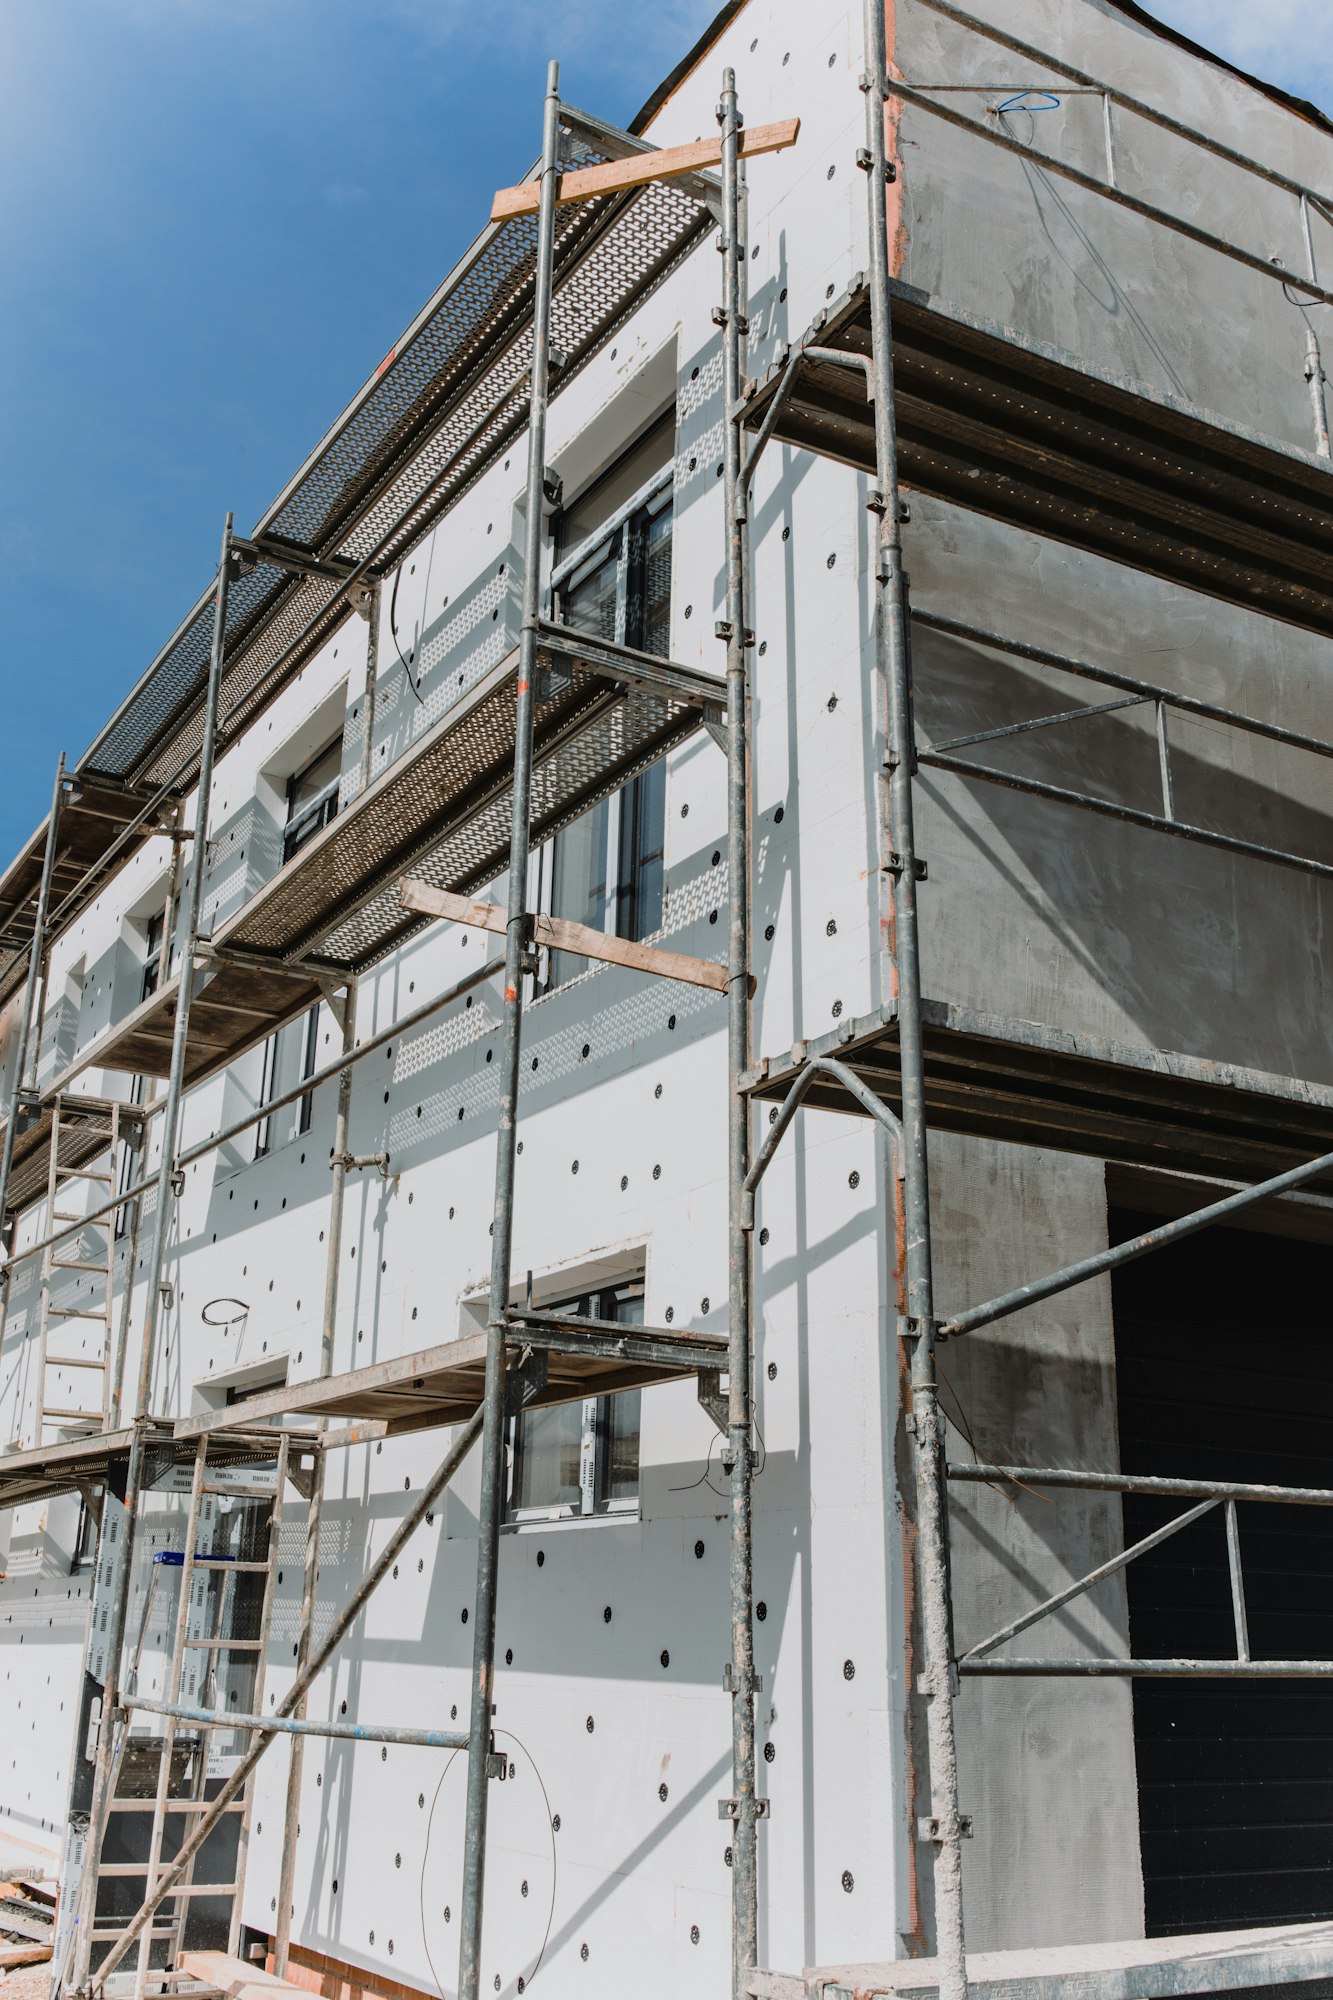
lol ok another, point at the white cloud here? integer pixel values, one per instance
(1281, 41)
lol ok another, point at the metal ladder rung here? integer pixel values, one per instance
(145, 1806)
(83, 1174)
(109, 1937)
(73, 1312)
(227, 1645)
(123, 1870)
(76, 1264)
(66, 1215)
(93, 1417)
(71, 1361)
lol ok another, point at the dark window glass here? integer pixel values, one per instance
(289, 1057)
(312, 798)
(594, 506)
(152, 961)
(582, 1457)
(607, 869)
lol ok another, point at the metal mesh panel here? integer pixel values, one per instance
(617, 740)
(434, 416)
(623, 262)
(444, 810)
(178, 676)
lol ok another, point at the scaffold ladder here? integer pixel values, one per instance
(86, 1301)
(226, 1561)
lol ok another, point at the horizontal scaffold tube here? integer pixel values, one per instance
(489, 970)
(1137, 1246)
(298, 1725)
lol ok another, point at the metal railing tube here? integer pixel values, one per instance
(745, 1805)
(791, 1104)
(893, 695)
(282, 1935)
(517, 961)
(35, 953)
(1111, 1567)
(120, 1588)
(299, 1727)
(205, 1146)
(342, 1624)
(1136, 1246)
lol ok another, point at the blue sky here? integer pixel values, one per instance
(215, 216)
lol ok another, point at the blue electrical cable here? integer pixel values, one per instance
(1048, 102)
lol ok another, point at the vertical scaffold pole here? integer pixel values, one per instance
(517, 964)
(917, 1325)
(35, 957)
(740, 1678)
(153, 1300)
(282, 1937)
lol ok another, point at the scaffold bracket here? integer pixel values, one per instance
(895, 865)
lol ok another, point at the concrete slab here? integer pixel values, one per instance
(1138, 1969)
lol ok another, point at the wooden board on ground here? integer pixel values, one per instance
(12, 1956)
(235, 1978)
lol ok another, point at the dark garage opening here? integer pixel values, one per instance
(1224, 1356)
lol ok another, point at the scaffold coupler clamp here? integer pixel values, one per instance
(933, 1828)
(529, 957)
(742, 1809)
(731, 1682)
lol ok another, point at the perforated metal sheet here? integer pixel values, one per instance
(443, 809)
(450, 395)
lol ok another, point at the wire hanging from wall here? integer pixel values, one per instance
(393, 629)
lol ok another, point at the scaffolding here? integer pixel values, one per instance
(902, 389)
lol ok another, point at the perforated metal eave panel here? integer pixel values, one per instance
(443, 810)
(452, 395)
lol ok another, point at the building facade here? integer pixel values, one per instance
(1112, 446)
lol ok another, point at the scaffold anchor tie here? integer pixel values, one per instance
(895, 865)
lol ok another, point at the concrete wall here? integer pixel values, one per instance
(1028, 912)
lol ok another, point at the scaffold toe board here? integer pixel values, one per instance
(1024, 434)
(1040, 1086)
(446, 1384)
(1242, 1962)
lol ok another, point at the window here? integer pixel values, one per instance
(85, 1539)
(312, 798)
(152, 957)
(580, 1459)
(613, 579)
(289, 1058)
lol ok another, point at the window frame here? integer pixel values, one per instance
(300, 827)
(569, 570)
(305, 1104)
(594, 1503)
(622, 534)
